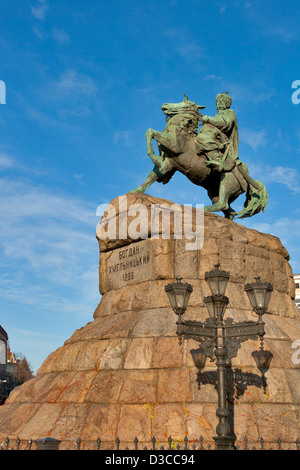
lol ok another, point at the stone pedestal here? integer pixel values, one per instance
(124, 374)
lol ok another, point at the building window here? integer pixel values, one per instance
(297, 285)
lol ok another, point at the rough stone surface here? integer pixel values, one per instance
(124, 374)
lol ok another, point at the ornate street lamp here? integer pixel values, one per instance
(179, 294)
(220, 339)
(259, 294)
(263, 359)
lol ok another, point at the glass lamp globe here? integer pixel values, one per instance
(179, 294)
(259, 294)
(217, 280)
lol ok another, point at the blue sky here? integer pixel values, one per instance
(84, 81)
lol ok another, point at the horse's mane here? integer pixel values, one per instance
(190, 119)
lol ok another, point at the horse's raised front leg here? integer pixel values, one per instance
(157, 159)
(171, 140)
(162, 164)
(149, 137)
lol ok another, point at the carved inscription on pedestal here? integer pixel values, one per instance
(128, 265)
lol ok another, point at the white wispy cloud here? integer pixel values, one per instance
(254, 138)
(39, 10)
(283, 32)
(211, 76)
(287, 176)
(70, 93)
(6, 161)
(191, 50)
(38, 32)
(242, 93)
(184, 43)
(49, 259)
(78, 178)
(124, 137)
(47, 242)
(60, 36)
(72, 80)
(285, 27)
(281, 228)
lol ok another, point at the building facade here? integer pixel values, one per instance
(3, 348)
(297, 284)
(8, 362)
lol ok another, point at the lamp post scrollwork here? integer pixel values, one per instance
(220, 339)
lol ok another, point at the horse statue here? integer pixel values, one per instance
(208, 158)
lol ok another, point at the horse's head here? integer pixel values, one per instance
(171, 109)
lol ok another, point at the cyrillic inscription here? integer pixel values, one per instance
(128, 265)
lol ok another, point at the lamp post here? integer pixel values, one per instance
(220, 339)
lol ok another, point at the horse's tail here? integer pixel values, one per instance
(256, 200)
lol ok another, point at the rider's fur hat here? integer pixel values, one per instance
(227, 100)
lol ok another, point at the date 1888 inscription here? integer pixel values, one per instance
(125, 265)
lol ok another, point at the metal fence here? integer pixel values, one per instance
(170, 444)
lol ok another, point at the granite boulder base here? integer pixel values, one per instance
(124, 374)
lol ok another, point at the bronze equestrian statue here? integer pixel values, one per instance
(209, 158)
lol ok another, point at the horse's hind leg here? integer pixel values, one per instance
(229, 190)
(154, 175)
(163, 171)
(229, 213)
(222, 203)
(151, 178)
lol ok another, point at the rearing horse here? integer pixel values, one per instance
(179, 151)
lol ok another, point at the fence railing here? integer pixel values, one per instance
(49, 443)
